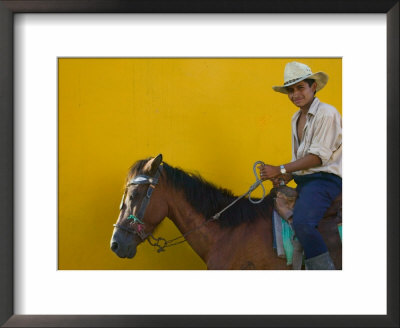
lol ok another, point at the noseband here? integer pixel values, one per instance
(137, 220)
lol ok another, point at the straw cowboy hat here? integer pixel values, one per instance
(296, 72)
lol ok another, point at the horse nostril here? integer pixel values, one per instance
(114, 246)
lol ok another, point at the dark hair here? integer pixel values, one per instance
(310, 83)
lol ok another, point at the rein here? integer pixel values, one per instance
(161, 242)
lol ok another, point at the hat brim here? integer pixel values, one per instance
(320, 78)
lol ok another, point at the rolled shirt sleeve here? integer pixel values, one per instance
(326, 137)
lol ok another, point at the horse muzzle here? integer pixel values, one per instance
(123, 244)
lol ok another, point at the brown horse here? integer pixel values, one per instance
(241, 238)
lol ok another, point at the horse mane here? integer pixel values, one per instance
(208, 199)
(136, 168)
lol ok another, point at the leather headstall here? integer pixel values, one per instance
(137, 220)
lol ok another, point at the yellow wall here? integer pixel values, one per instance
(212, 116)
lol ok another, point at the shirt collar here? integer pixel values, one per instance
(314, 106)
(312, 110)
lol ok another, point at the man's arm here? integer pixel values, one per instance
(305, 163)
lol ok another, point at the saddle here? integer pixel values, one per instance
(286, 245)
(285, 199)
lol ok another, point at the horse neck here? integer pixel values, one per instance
(200, 235)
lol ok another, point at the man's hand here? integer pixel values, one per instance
(276, 182)
(269, 171)
(283, 179)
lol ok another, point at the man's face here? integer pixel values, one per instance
(301, 94)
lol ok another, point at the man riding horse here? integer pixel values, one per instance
(316, 164)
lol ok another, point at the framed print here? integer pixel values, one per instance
(161, 93)
(43, 285)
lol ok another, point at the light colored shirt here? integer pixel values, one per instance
(322, 136)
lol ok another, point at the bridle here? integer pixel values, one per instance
(162, 243)
(137, 220)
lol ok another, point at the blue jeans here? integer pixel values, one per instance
(316, 193)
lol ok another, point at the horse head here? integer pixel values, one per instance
(138, 215)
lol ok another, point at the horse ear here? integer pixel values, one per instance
(155, 163)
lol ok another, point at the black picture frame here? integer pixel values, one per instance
(10, 7)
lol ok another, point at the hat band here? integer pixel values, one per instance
(294, 80)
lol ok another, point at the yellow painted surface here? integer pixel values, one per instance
(207, 115)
